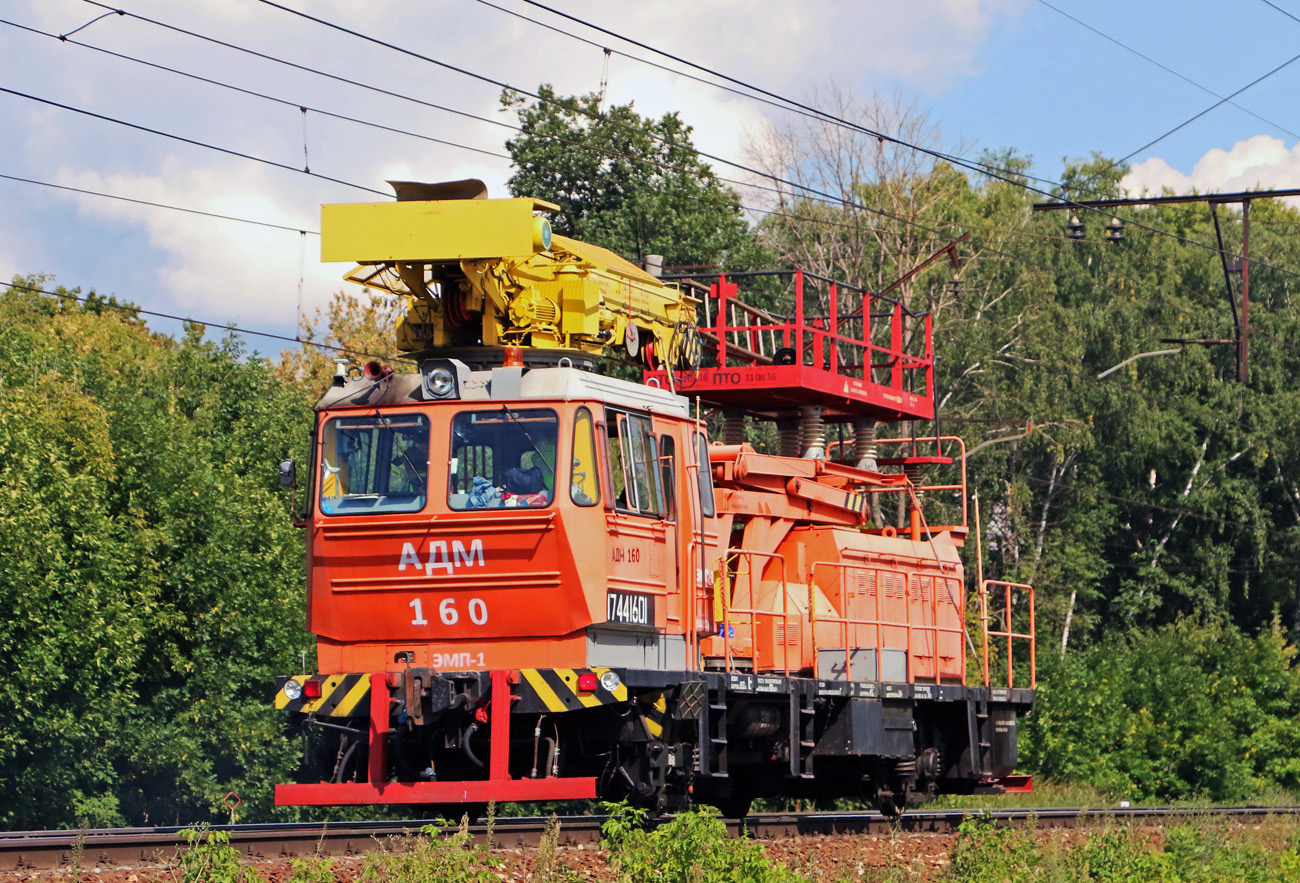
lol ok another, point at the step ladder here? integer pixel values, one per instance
(977, 719)
(802, 730)
(713, 743)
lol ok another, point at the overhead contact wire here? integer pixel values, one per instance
(801, 187)
(234, 329)
(988, 170)
(174, 208)
(184, 140)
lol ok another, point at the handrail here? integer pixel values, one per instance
(1007, 631)
(722, 598)
(938, 441)
(878, 622)
(749, 334)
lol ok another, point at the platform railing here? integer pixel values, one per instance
(1007, 631)
(731, 571)
(932, 448)
(847, 331)
(933, 629)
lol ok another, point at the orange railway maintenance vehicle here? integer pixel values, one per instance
(530, 581)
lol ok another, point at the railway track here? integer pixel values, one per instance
(126, 847)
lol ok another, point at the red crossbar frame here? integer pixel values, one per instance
(1017, 783)
(498, 786)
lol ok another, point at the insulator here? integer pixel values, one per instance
(733, 429)
(788, 433)
(913, 472)
(812, 433)
(864, 442)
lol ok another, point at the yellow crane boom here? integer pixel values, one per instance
(489, 272)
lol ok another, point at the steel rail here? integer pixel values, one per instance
(129, 847)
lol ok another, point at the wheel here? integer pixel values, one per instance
(735, 807)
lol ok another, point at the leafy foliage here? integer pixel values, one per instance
(1192, 851)
(438, 855)
(625, 182)
(1184, 711)
(150, 572)
(359, 327)
(694, 847)
(211, 859)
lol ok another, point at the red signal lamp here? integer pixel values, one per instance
(588, 682)
(514, 357)
(311, 690)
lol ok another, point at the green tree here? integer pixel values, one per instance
(625, 182)
(1183, 711)
(356, 325)
(151, 572)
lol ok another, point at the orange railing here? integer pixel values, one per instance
(1007, 631)
(729, 570)
(933, 629)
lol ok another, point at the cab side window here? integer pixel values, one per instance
(707, 507)
(668, 472)
(584, 487)
(634, 464)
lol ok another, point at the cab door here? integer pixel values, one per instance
(640, 541)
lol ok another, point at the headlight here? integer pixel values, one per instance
(292, 688)
(609, 680)
(442, 382)
(541, 234)
(442, 378)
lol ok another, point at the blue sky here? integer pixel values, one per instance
(1001, 73)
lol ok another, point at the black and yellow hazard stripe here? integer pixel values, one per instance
(340, 696)
(556, 689)
(654, 712)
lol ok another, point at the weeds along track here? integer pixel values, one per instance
(122, 847)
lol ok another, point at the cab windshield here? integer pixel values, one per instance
(502, 458)
(376, 463)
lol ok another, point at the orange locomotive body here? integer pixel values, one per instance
(536, 582)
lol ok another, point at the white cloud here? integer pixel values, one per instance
(228, 271)
(213, 268)
(1259, 163)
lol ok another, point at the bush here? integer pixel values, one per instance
(1186, 711)
(694, 847)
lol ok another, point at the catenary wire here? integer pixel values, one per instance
(175, 208)
(761, 99)
(230, 328)
(827, 197)
(937, 154)
(191, 141)
(1217, 104)
(393, 46)
(262, 95)
(1280, 9)
(1163, 67)
(972, 165)
(301, 67)
(832, 200)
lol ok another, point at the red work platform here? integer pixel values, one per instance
(796, 339)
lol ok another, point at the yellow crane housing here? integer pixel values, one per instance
(489, 272)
